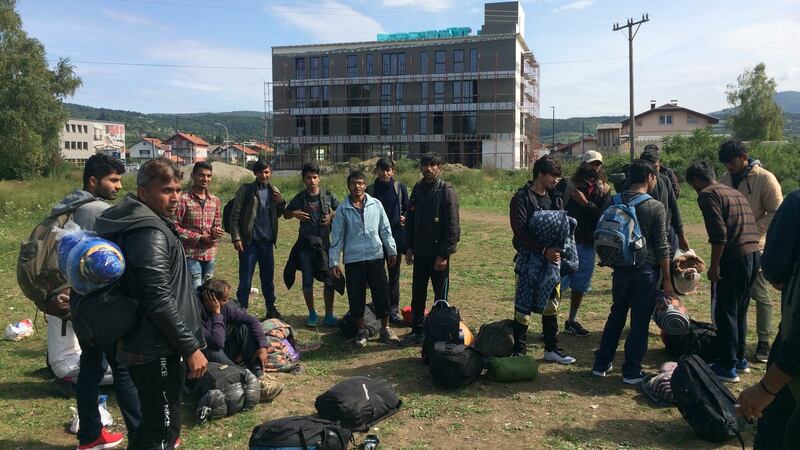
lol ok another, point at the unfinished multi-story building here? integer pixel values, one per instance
(471, 97)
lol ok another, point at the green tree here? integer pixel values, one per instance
(31, 112)
(757, 116)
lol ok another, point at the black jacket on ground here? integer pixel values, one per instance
(426, 235)
(157, 276)
(587, 216)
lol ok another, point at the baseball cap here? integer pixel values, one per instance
(592, 156)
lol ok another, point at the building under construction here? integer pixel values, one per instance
(474, 98)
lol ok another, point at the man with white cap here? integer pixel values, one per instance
(584, 194)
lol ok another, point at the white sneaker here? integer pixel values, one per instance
(558, 356)
(602, 373)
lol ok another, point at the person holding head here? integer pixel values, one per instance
(362, 232)
(584, 194)
(735, 259)
(169, 338)
(763, 194)
(633, 288)
(315, 208)
(102, 181)
(432, 234)
(664, 193)
(537, 195)
(199, 225)
(254, 232)
(394, 197)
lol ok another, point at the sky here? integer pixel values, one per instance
(182, 56)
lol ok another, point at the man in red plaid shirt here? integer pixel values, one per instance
(199, 224)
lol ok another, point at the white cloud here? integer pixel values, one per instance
(194, 86)
(427, 5)
(344, 24)
(574, 6)
(133, 19)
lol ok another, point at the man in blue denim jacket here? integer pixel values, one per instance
(361, 231)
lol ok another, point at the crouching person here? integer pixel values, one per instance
(233, 335)
(361, 231)
(170, 332)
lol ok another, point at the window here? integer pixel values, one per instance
(438, 92)
(458, 60)
(358, 125)
(456, 92)
(321, 153)
(370, 65)
(66, 128)
(423, 93)
(465, 91)
(665, 120)
(465, 122)
(313, 64)
(300, 96)
(299, 68)
(386, 124)
(300, 126)
(403, 123)
(326, 67)
(386, 94)
(313, 125)
(73, 128)
(423, 123)
(144, 152)
(398, 94)
(423, 62)
(325, 125)
(358, 95)
(73, 145)
(394, 64)
(352, 66)
(314, 96)
(86, 146)
(691, 120)
(439, 61)
(473, 59)
(438, 123)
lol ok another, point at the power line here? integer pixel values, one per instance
(185, 66)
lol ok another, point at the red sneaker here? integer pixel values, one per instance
(106, 440)
(177, 443)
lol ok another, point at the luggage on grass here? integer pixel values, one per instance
(371, 322)
(454, 364)
(300, 433)
(512, 368)
(495, 339)
(225, 390)
(670, 315)
(443, 324)
(281, 346)
(358, 402)
(700, 340)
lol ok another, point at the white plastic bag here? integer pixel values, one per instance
(19, 330)
(105, 416)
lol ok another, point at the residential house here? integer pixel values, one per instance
(188, 146)
(577, 148)
(235, 154)
(147, 148)
(667, 120)
(81, 139)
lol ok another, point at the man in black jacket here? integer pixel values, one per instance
(432, 233)
(170, 330)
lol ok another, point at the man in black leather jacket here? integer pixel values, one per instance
(170, 330)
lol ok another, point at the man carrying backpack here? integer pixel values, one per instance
(315, 208)
(198, 222)
(432, 234)
(102, 180)
(394, 197)
(635, 276)
(537, 195)
(763, 193)
(584, 193)
(168, 340)
(361, 231)
(254, 232)
(735, 260)
(664, 193)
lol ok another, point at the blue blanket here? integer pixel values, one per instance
(536, 276)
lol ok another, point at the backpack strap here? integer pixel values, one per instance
(438, 191)
(638, 200)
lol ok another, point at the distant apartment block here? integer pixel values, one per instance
(81, 139)
(473, 98)
(187, 146)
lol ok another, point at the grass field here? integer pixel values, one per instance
(565, 408)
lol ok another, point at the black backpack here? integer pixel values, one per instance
(706, 404)
(227, 210)
(454, 364)
(348, 326)
(93, 312)
(441, 325)
(301, 432)
(701, 340)
(358, 402)
(496, 339)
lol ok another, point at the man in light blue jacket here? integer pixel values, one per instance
(361, 231)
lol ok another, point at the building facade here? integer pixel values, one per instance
(146, 149)
(189, 147)
(471, 98)
(81, 139)
(667, 120)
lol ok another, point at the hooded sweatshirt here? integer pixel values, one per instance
(85, 208)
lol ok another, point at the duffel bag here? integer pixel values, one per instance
(513, 368)
(454, 364)
(225, 390)
(496, 339)
(348, 326)
(300, 433)
(358, 402)
(700, 340)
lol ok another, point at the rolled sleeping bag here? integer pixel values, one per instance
(513, 368)
(94, 263)
(67, 242)
(670, 315)
(212, 406)
(234, 397)
(252, 390)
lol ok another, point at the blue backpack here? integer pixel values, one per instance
(618, 239)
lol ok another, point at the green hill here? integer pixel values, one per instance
(569, 130)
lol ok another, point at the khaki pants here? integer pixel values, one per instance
(760, 293)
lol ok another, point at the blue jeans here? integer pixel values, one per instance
(634, 290)
(92, 369)
(200, 271)
(260, 252)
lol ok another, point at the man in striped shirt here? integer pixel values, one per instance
(735, 260)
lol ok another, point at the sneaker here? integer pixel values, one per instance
(726, 375)
(330, 321)
(177, 443)
(412, 339)
(575, 328)
(762, 352)
(270, 387)
(395, 319)
(388, 336)
(634, 380)
(312, 318)
(273, 313)
(558, 356)
(602, 373)
(361, 338)
(742, 367)
(106, 440)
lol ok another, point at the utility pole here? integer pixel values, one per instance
(631, 34)
(582, 150)
(553, 149)
(227, 150)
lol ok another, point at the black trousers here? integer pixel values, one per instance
(394, 284)
(358, 276)
(240, 347)
(732, 297)
(779, 427)
(160, 386)
(423, 271)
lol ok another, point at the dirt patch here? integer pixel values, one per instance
(224, 172)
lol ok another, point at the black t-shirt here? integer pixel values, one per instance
(312, 205)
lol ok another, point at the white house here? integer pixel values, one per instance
(146, 148)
